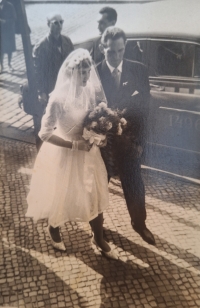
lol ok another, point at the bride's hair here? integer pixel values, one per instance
(86, 63)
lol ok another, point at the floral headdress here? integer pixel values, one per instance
(76, 58)
(68, 82)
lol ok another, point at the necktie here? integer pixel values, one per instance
(116, 78)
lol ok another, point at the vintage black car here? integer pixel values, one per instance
(174, 121)
(172, 54)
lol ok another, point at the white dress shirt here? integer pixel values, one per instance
(119, 68)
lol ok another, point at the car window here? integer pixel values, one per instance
(135, 50)
(171, 59)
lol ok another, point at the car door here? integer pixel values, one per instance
(174, 118)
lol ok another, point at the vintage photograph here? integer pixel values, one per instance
(99, 153)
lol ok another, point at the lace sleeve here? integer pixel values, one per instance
(49, 120)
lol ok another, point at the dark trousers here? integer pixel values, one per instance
(134, 190)
(128, 166)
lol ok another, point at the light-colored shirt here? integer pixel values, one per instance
(116, 73)
(119, 68)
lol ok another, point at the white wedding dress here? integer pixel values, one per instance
(67, 185)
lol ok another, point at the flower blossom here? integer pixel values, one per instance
(123, 121)
(93, 124)
(103, 105)
(119, 130)
(108, 125)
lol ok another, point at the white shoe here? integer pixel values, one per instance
(109, 254)
(60, 245)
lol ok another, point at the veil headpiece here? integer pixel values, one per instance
(68, 88)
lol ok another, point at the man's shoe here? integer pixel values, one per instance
(146, 235)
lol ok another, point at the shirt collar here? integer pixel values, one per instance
(111, 68)
(56, 42)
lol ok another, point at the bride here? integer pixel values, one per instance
(69, 181)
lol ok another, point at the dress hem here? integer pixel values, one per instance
(64, 221)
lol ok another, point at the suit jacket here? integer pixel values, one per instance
(95, 52)
(133, 95)
(48, 60)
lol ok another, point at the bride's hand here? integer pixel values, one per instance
(84, 145)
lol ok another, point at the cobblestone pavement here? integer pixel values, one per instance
(14, 122)
(33, 274)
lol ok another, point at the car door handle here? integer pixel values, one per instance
(156, 87)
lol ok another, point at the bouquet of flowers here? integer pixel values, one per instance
(101, 121)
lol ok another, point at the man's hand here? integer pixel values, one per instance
(43, 99)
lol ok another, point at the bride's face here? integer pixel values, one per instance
(83, 76)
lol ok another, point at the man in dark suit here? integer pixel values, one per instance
(48, 55)
(108, 17)
(126, 86)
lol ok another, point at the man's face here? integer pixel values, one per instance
(104, 23)
(55, 24)
(114, 51)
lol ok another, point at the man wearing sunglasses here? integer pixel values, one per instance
(49, 54)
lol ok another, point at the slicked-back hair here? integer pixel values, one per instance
(111, 13)
(112, 33)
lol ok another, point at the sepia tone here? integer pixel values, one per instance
(164, 36)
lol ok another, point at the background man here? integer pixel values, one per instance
(108, 17)
(126, 85)
(49, 55)
(7, 32)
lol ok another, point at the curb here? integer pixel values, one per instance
(165, 174)
(15, 134)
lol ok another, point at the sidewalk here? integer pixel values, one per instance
(88, 1)
(14, 122)
(33, 274)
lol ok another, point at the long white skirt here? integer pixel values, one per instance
(67, 185)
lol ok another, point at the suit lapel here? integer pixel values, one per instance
(124, 81)
(124, 74)
(64, 49)
(54, 53)
(127, 83)
(105, 71)
(107, 81)
(117, 98)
